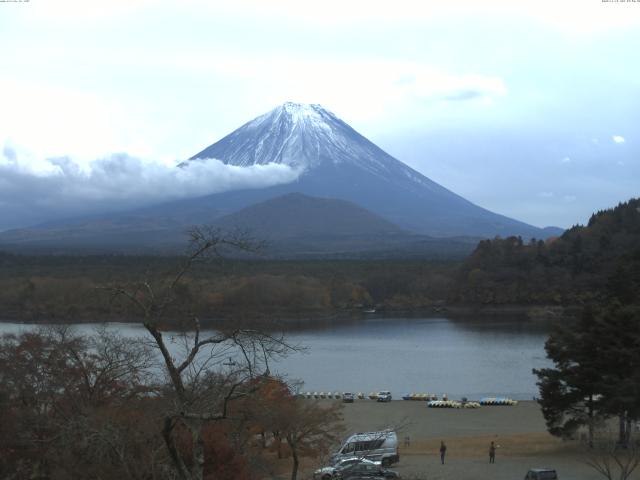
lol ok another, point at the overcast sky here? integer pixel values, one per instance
(530, 109)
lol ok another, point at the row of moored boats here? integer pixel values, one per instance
(432, 399)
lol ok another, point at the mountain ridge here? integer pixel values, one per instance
(335, 162)
(338, 162)
(293, 226)
(297, 215)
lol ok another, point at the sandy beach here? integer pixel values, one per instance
(518, 431)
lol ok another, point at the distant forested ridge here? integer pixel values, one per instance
(587, 263)
(65, 288)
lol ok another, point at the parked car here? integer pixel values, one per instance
(541, 474)
(327, 473)
(348, 397)
(364, 471)
(376, 446)
(366, 477)
(384, 396)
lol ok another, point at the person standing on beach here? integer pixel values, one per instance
(443, 451)
(492, 453)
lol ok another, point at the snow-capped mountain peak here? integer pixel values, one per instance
(298, 117)
(297, 134)
(314, 110)
(307, 137)
(335, 161)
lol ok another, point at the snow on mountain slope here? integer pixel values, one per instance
(335, 161)
(305, 137)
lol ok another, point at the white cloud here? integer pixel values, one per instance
(569, 17)
(358, 90)
(618, 139)
(86, 124)
(545, 194)
(427, 82)
(566, 160)
(569, 198)
(62, 121)
(81, 10)
(63, 186)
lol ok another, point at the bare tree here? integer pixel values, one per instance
(201, 385)
(309, 429)
(613, 460)
(74, 405)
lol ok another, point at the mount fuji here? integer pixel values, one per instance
(344, 180)
(335, 161)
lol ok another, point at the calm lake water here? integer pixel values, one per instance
(471, 358)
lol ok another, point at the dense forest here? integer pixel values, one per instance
(69, 289)
(583, 265)
(571, 270)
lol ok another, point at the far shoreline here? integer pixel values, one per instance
(288, 321)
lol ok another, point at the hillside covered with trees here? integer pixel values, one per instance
(577, 268)
(68, 288)
(581, 266)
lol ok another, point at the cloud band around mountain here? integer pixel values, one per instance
(32, 192)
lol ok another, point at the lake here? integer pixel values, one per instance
(472, 358)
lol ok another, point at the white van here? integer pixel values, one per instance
(377, 446)
(384, 396)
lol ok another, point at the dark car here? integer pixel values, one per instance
(366, 477)
(364, 471)
(541, 474)
(326, 473)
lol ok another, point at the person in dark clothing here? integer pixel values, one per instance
(492, 453)
(443, 451)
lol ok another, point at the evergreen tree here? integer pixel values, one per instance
(570, 393)
(619, 335)
(596, 372)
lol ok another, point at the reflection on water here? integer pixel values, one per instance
(470, 358)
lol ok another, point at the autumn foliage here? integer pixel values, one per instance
(92, 407)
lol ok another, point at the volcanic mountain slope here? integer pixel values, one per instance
(299, 216)
(298, 226)
(291, 226)
(335, 161)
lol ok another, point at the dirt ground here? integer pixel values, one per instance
(518, 431)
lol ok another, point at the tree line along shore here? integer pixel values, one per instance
(573, 270)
